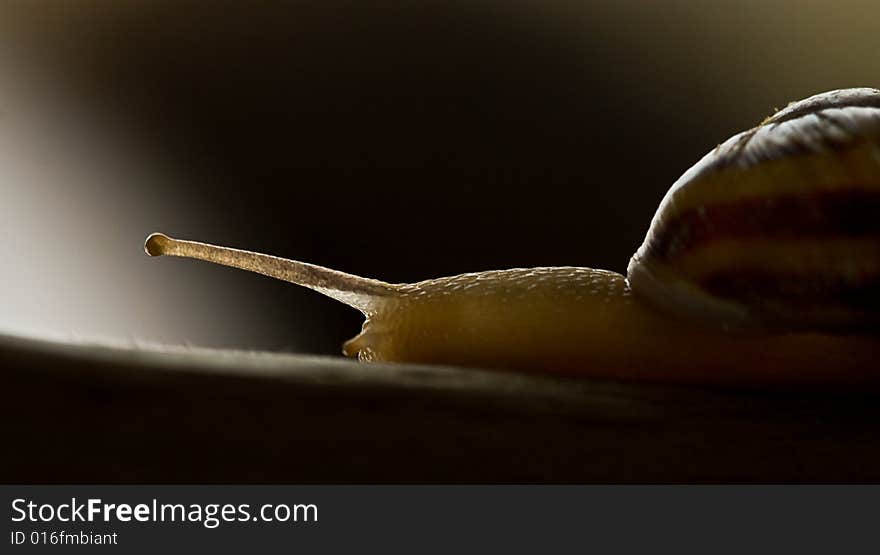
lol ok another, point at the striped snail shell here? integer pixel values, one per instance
(778, 227)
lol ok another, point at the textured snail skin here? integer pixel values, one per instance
(760, 268)
(578, 321)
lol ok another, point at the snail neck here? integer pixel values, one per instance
(677, 297)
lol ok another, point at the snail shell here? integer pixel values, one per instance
(778, 227)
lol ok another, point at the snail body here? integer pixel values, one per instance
(761, 267)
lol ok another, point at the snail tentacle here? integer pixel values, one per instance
(358, 292)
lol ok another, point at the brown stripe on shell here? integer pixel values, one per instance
(852, 257)
(800, 300)
(847, 213)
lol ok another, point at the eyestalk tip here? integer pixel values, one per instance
(156, 244)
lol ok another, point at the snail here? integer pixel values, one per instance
(761, 267)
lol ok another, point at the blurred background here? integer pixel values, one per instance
(400, 140)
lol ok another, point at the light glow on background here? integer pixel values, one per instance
(79, 194)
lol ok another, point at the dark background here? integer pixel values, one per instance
(393, 139)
